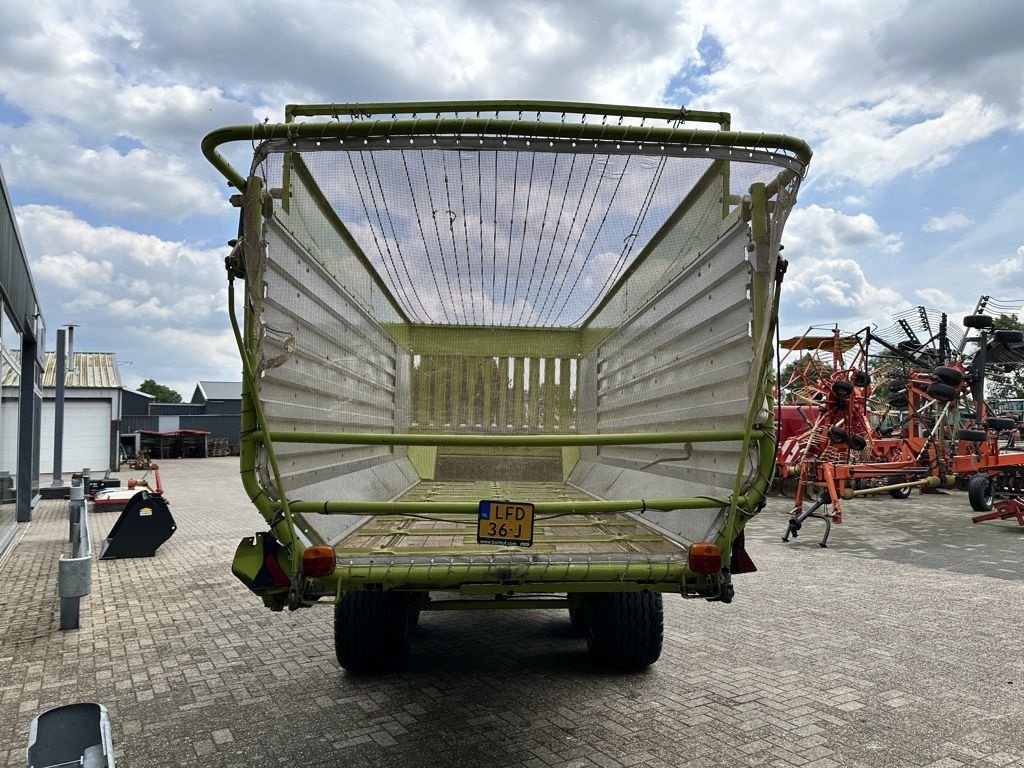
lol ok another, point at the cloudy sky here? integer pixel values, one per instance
(915, 112)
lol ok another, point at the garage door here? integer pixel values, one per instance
(86, 436)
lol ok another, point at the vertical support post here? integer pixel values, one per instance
(564, 394)
(26, 428)
(549, 394)
(487, 371)
(518, 418)
(58, 414)
(440, 388)
(502, 420)
(533, 421)
(421, 391)
(456, 393)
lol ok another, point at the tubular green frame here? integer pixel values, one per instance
(279, 511)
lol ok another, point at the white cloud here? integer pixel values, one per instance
(872, 106)
(815, 230)
(951, 220)
(838, 283)
(935, 298)
(1006, 269)
(855, 201)
(159, 303)
(140, 181)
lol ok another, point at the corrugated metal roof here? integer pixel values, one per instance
(92, 369)
(221, 390)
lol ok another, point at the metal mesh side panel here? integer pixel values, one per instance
(683, 363)
(506, 291)
(329, 366)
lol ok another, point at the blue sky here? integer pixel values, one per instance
(915, 111)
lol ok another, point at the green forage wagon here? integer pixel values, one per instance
(504, 355)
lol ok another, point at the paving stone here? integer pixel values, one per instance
(887, 649)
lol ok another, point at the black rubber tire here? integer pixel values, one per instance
(943, 393)
(578, 619)
(950, 376)
(858, 443)
(897, 385)
(1008, 336)
(999, 423)
(979, 321)
(899, 493)
(842, 389)
(979, 492)
(972, 435)
(372, 631)
(899, 400)
(838, 435)
(625, 629)
(861, 379)
(968, 415)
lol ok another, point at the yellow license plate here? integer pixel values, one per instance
(505, 523)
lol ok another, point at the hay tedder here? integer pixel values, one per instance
(504, 355)
(898, 409)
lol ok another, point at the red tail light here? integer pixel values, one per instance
(705, 558)
(318, 561)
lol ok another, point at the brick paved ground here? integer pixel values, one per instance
(899, 646)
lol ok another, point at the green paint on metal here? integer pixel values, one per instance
(502, 420)
(424, 460)
(532, 420)
(650, 136)
(670, 114)
(565, 416)
(490, 605)
(486, 341)
(470, 507)
(518, 389)
(549, 394)
(606, 438)
(565, 586)
(570, 458)
(448, 574)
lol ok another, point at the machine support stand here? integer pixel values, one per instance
(1004, 510)
(795, 523)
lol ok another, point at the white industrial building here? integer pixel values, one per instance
(92, 403)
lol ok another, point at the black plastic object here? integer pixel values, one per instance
(75, 734)
(145, 523)
(947, 375)
(99, 483)
(1008, 336)
(838, 435)
(941, 392)
(979, 321)
(842, 389)
(999, 424)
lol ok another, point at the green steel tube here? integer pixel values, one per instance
(766, 448)
(494, 128)
(627, 438)
(472, 507)
(485, 605)
(292, 111)
(253, 420)
(450, 574)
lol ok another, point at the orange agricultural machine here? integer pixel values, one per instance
(894, 410)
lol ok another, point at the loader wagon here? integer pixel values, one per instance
(504, 355)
